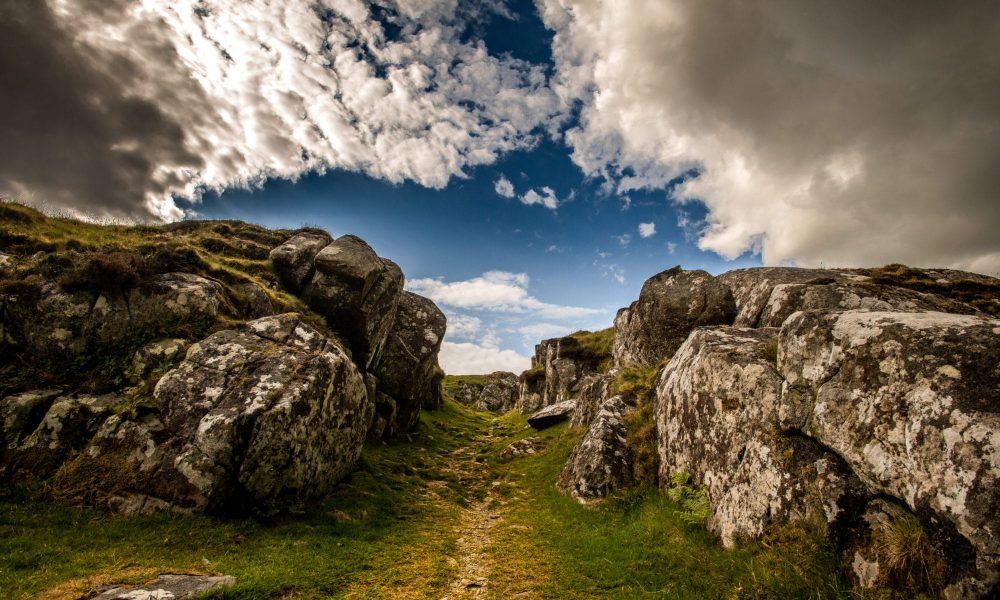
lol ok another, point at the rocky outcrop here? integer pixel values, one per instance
(172, 586)
(407, 370)
(293, 260)
(496, 392)
(670, 305)
(594, 390)
(752, 288)
(909, 400)
(557, 369)
(266, 415)
(531, 388)
(552, 414)
(358, 292)
(602, 461)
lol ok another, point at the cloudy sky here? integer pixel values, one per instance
(527, 164)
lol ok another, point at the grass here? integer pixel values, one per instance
(596, 346)
(980, 292)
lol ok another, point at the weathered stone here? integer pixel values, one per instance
(525, 447)
(788, 298)
(67, 426)
(557, 368)
(552, 414)
(21, 413)
(271, 414)
(909, 400)
(497, 392)
(602, 461)
(252, 300)
(358, 292)
(293, 260)
(175, 587)
(155, 356)
(407, 369)
(531, 386)
(594, 390)
(717, 414)
(752, 287)
(670, 305)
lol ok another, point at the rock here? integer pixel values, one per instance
(67, 426)
(788, 298)
(531, 386)
(358, 292)
(497, 392)
(552, 414)
(407, 369)
(525, 447)
(21, 413)
(265, 416)
(602, 461)
(909, 400)
(170, 586)
(8, 265)
(293, 260)
(752, 288)
(716, 414)
(557, 368)
(252, 300)
(594, 390)
(670, 305)
(155, 356)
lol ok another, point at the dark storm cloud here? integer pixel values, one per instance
(72, 137)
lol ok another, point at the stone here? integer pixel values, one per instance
(155, 356)
(262, 417)
(670, 305)
(531, 386)
(175, 587)
(525, 447)
(407, 369)
(752, 287)
(557, 368)
(293, 260)
(552, 414)
(21, 413)
(717, 405)
(909, 400)
(602, 462)
(498, 392)
(252, 300)
(594, 390)
(358, 293)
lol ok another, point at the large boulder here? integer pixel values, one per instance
(264, 416)
(717, 409)
(496, 392)
(293, 260)
(531, 387)
(670, 305)
(602, 461)
(910, 401)
(358, 292)
(752, 287)
(557, 369)
(552, 414)
(407, 369)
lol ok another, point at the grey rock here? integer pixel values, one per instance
(717, 420)
(21, 413)
(268, 415)
(602, 461)
(155, 356)
(252, 300)
(407, 369)
(594, 390)
(497, 393)
(170, 586)
(752, 287)
(293, 260)
(558, 367)
(670, 305)
(525, 447)
(531, 387)
(552, 414)
(909, 401)
(358, 292)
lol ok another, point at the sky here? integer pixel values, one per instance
(528, 164)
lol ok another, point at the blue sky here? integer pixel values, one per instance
(838, 134)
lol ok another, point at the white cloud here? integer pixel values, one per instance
(498, 291)
(540, 331)
(547, 198)
(849, 132)
(671, 247)
(555, 248)
(504, 187)
(463, 326)
(624, 239)
(647, 229)
(230, 93)
(473, 359)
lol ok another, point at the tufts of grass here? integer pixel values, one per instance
(908, 562)
(981, 292)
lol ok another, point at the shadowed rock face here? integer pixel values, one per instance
(752, 288)
(594, 390)
(550, 415)
(268, 414)
(497, 393)
(407, 369)
(558, 368)
(670, 305)
(602, 461)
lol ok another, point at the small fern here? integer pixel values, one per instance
(695, 507)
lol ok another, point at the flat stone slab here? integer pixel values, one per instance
(168, 587)
(550, 415)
